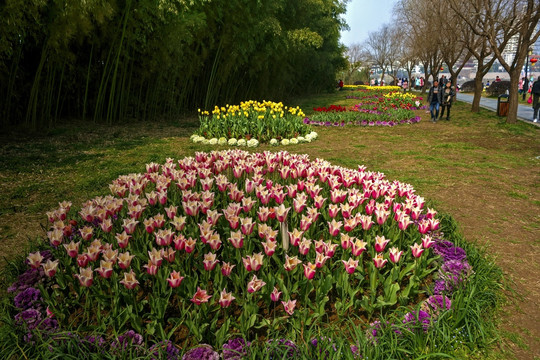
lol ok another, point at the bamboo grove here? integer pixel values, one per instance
(125, 60)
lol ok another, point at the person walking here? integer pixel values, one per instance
(447, 98)
(535, 91)
(434, 100)
(525, 88)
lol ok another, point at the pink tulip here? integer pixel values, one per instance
(333, 210)
(247, 204)
(214, 241)
(210, 261)
(93, 252)
(171, 211)
(417, 250)
(380, 243)
(345, 241)
(169, 254)
(189, 245)
(263, 213)
(72, 249)
(236, 239)
(346, 210)
(201, 296)
(370, 207)
(295, 237)
(247, 263)
(129, 225)
(271, 234)
(309, 270)
(281, 212)
(366, 221)
(427, 242)
(358, 247)
(151, 268)
(289, 306)
(262, 229)
(305, 222)
(404, 222)
(291, 262)
(319, 246)
(50, 267)
(379, 261)
(350, 224)
(87, 232)
(85, 276)
(431, 213)
(247, 225)
(124, 260)
(110, 255)
(304, 246)
(179, 222)
(191, 207)
(395, 255)
(299, 203)
(226, 268)
(149, 225)
(350, 265)
(255, 284)
(382, 216)
(179, 242)
(319, 201)
(269, 247)
(334, 227)
(320, 259)
(175, 279)
(423, 226)
(225, 299)
(55, 237)
(82, 260)
(155, 256)
(291, 191)
(415, 213)
(256, 261)
(434, 224)
(106, 269)
(123, 239)
(275, 295)
(330, 249)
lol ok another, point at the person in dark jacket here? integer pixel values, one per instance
(535, 91)
(434, 100)
(447, 98)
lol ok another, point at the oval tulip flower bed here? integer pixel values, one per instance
(241, 243)
(377, 108)
(251, 123)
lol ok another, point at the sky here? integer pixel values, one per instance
(364, 16)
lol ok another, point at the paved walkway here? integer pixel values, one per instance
(525, 113)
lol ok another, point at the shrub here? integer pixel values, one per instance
(468, 86)
(498, 88)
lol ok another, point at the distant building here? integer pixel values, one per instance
(509, 52)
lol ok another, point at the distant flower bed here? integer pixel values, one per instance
(251, 123)
(233, 242)
(385, 88)
(376, 108)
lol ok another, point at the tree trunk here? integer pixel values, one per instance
(511, 118)
(478, 88)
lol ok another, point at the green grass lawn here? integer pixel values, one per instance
(481, 171)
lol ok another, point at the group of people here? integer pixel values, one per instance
(440, 97)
